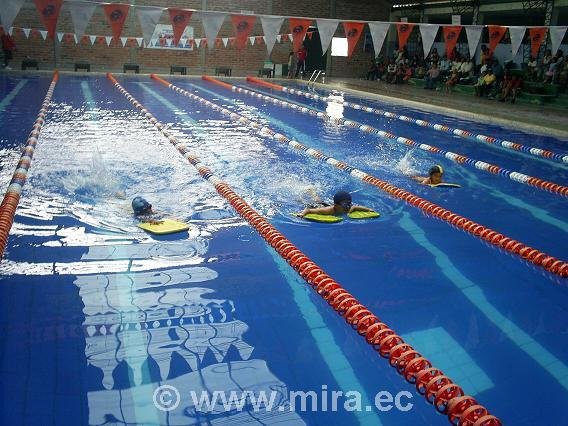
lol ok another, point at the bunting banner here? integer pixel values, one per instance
(225, 41)
(556, 36)
(403, 29)
(92, 38)
(123, 40)
(517, 34)
(60, 37)
(148, 18)
(43, 34)
(9, 9)
(428, 33)
(271, 26)
(326, 30)
(252, 40)
(49, 13)
(108, 40)
(242, 24)
(537, 35)
(299, 27)
(179, 19)
(473, 33)
(81, 14)
(140, 41)
(451, 35)
(379, 32)
(212, 22)
(496, 33)
(116, 14)
(27, 32)
(353, 31)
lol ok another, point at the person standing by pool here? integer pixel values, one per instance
(292, 63)
(302, 55)
(8, 47)
(342, 204)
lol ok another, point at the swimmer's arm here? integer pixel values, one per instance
(420, 179)
(360, 209)
(320, 210)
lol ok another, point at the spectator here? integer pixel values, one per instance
(381, 70)
(419, 71)
(8, 47)
(432, 77)
(392, 69)
(559, 56)
(545, 62)
(511, 86)
(550, 75)
(563, 75)
(302, 54)
(292, 62)
(452, 81)
(532, 70)
(486, 55)
(497, 70)
(401, 55)
(434, 57)
(466, 69)
(487, 84)
(406, 73)
(372, 73)
(444, 66)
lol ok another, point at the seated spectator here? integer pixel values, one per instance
(419, 71)
(550, 75)
(433, 56)
(485, 83)
(511, 86)
(559, 56)
(532, 70)
(497, 70)
(452, 81)
(406, 74)
(444, 66)
(392, 69)
(466, 69)
(545, 63)
(381, 70)
(486, 55)
(456, 65)
(372, 73)
(432, 77)
(401, 55)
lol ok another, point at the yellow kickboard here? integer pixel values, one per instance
(363, 215)
(445, 185)
(166, 226)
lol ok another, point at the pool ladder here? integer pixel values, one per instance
(315, 75)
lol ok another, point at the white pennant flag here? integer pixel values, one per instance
(212, 22)
(326, 30)
(556, 36)
(108, 40)
(9, 10)
(516, 34)
(271, 27)
(169, 42)
(291, 37)
(197, 42)
(11, 31)
(278, 38)
(379, 31)
(473, 35)
(76, 38)
(27, 32)
(428, 33)
(60, 36)
(140, 40)
(225, 41)
(183, 42)
(153, 42)
(81, 14)
(123, 40)
(92, 38)
(43, 34)
(149, 18)
(251, 39)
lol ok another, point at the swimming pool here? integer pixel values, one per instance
(96, 315)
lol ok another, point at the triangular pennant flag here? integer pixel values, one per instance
(251, 39)
(123, 40)
(9, 10)
(81, 14)
(93, 38)
(537, 35)
(473, 35)
(290, 36)
(271, 27)
(378, 33)
(84, 39)
(259, 39)
(76, 38)
(326, 30)
(242, 24)
(278, 38)
(148, 18)
(43, 34)
(169, 42)
(428, 33)
(218, 42)
(403, 29)
(496, 33)
(212, 22)
(179, 18)
(60, 36)
(232, 41)
(108, 40)
(153, 42)
(299, 27)
(27, 32)
(451, 35)
(182, 42)
(49, 13)
(116, 14)
(197, 42)
(225, 41)
(140, 41)
(353, 31)
(11, 31)
(517, 34)
(556, 36)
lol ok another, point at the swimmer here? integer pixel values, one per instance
(342, 204)
(434, 178)
(143, 210)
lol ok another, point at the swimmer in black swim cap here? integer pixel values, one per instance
(434, 176)
(342, 204)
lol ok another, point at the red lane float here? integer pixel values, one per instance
(12, 196)
(382, 338)
(529, 254)
(476, 137)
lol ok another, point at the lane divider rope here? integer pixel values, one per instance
(438, 389)
(12, 196)
(477, 137)
(458, 158)
(530, 254)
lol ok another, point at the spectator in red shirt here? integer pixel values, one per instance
(301, 67)
(511, 86)
(8, 47)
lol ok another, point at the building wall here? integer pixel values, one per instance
(103, 58)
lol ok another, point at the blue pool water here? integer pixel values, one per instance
(95, 314)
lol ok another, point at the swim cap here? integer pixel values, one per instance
(140, 205)
(342, 198)
(436, 169)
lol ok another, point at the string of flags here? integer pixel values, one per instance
(149, 17)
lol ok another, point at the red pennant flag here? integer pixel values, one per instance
(284, 37)
(232, 41)
(538, 35)
(179, 19)
(298, 28)
(84, 39)
(259, 39)
(69, 37)
(496, 33)
(49, 13)
(310, 34)
(243, 26)
(353, 32)
(116, 15)
(403, 29)
(451, 35)
(218, 42)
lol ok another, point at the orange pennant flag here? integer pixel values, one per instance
(179, 18)
(353, 31)
(49, 13)
(242, 25)
(451, 35)
(298, 28)
(538, 35)
(403, 29)
(116, 14)
(496, 33)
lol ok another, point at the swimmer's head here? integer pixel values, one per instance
(141, 206)
(343, 200)
(436, 173)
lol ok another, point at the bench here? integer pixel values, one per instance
(265, 72)
(223, 70)
(29, 63)
(82, 66)
(535, 98)
(131, 67)
(178, 68)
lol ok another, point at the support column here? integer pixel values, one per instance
(202, 52)
(329, 62)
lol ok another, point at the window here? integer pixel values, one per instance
(338, 46)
